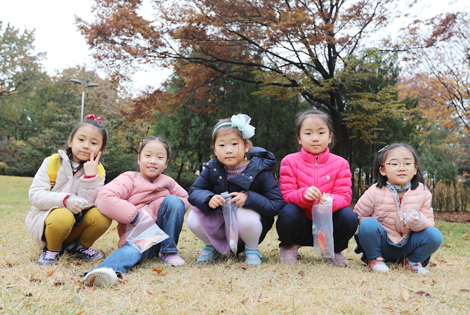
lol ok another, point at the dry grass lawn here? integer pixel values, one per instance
(228, 286)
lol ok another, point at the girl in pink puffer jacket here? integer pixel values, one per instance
(397, 221)
(309, 177)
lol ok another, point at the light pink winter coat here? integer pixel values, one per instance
(120, 199)
(44, 200)
(326, 171)
(381, 204)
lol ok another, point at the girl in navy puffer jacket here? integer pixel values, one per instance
(245, 174)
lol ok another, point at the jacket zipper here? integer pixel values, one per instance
(399, 215)
(316, 172)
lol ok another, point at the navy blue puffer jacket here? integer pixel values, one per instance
(264, 194)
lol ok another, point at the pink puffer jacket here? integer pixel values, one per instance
(381, 204)
(120, 199)
(326, 171)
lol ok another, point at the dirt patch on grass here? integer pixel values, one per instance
(453, 216)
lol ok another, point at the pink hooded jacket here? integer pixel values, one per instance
(381, 204)
(120, 199)
(326, 171)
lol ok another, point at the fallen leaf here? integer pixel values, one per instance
(163, 273)
(271, 268)
(50, 273)
(34, 280)
(434, 282)
(11, 286)
(367, 293)
(59, 283)
(92, 280)
(302, 273)
(9, 264)
(424, 294)
(28, 295)
(405, 295)
(77, 263)
(121, 281)
(124, 277)
(157, 270)
(80, 313)
(456, 263)
(241, 267)
(432, 265)
(149, 293)
(464, 290)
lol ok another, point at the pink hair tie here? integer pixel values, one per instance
(92, 117)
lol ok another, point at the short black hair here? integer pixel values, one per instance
(92, 122)
(161, 140)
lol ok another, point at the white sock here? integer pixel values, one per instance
(249, 227)
(195, 227)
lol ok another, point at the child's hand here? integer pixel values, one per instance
(239, 198)
(75, 204)
(412, 218)
(324, 198)
(216, 201)
(91, 167)
(312, 193)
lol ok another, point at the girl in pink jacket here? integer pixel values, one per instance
(397, 221)
(127, 197)
(309, 177)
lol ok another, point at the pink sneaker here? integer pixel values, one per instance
(289, 254)
(172, 259)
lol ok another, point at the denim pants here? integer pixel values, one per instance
(170, 220)
(293, 227)
(373, 241)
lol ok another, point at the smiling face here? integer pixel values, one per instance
(86, 139)
(230, 149)
(153, 159)
(314, 135)
(400, 176)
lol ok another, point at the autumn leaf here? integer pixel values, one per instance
(302, 273)
(34, 280)
(405, 295)
(423, 294)
(159, 271)
(80, 313)
(50, 273)
(124, 277)
(271, 268)
(92, 280)
(59, 283)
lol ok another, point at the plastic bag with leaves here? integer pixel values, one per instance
(145, 234)
(229, 210)
(322, 230)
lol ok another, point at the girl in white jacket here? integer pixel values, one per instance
(63, 216)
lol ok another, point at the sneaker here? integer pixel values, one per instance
(416, 267)
(253, 257)
(341, 260)
(101, 277)
(49, 257)
(209, 253)
(378, 265)
(289, 254)
(82, 252)
(171, 259)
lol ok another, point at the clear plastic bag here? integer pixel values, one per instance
(229, 210)
(145, 234)
(322, 230)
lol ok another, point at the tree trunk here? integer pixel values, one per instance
(179, 172)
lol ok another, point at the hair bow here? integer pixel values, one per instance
(92, 117)
(242, 122)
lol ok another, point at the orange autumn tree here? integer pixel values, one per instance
(439, 50)
(292, 46)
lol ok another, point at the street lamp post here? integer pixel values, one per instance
(85, 85)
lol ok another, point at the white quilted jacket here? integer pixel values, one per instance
(43, 199)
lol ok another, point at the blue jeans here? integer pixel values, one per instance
(372, 239)
(170, 220)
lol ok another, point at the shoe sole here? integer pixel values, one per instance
(101, 280)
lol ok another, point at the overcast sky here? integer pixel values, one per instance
(57, 34)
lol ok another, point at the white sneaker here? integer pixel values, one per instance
(101, 277)
(416, 267)
(378, 265)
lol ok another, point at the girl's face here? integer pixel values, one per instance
(88, 139)
(399, 166)
(230, 149)
(153, 159)
(314, 135)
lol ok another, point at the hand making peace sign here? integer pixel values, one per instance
(91, 167)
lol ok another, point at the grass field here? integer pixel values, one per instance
(228, 286)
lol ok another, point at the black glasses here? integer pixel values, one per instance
(396, 165)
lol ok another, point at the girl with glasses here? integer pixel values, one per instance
(395, 214)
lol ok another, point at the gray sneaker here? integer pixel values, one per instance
(49, 257)
(82, 252)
